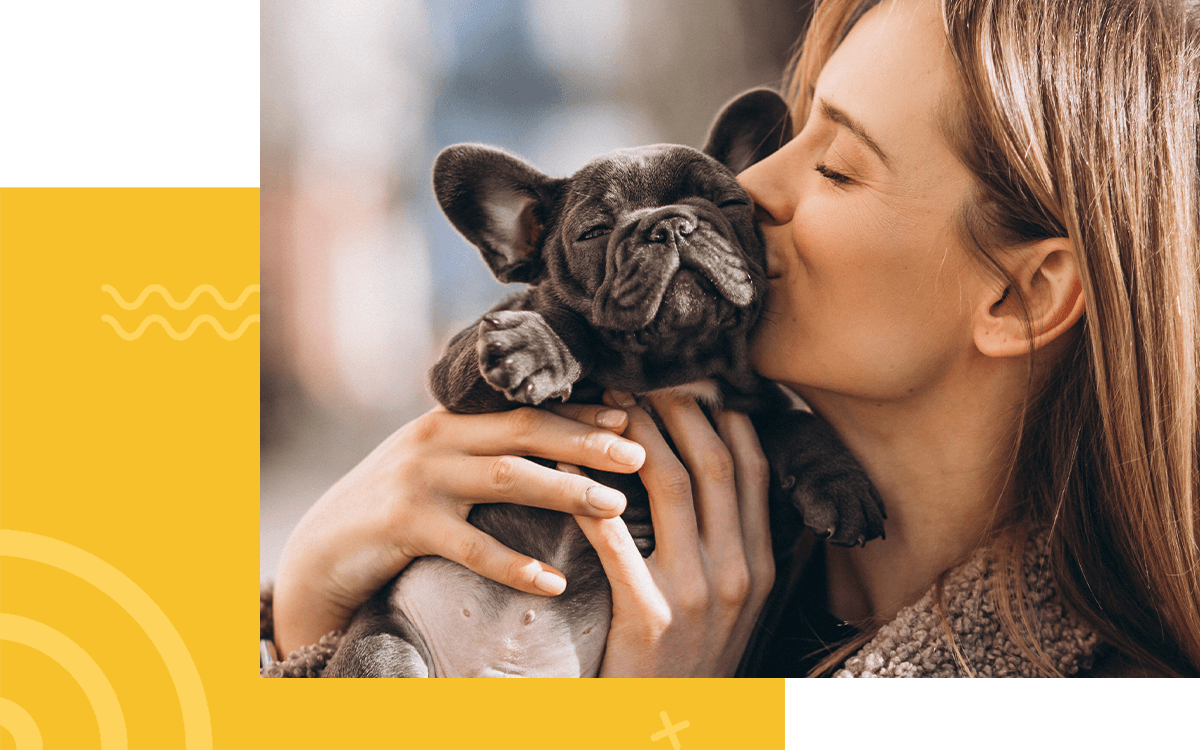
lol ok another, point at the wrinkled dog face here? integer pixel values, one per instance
(655, 248)
(656, 238)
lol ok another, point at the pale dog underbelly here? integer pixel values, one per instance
(472, 627)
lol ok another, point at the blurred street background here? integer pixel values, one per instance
(363, 280)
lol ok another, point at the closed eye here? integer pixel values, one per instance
(733, 202)
(596, 231)
(834, 177)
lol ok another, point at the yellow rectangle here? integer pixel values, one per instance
(129, 346)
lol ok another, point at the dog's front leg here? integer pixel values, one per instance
(813, 472)
(456, 382)
(512, 356)
(524, 357)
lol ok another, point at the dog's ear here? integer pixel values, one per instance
(749, 128)
(499, 203)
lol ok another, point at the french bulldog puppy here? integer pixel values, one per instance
(646, 271)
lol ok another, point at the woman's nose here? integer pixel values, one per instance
(767, 184)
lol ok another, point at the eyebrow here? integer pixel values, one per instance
(854, 126)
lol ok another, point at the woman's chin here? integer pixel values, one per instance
(777, 360)
(766, 354)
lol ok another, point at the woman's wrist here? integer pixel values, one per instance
(302, 616)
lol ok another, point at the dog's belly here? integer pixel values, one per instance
(470, 631)
(470, 626)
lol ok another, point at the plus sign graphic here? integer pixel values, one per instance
(670, 730)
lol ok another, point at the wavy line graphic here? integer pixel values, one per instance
(197, 722)
(186, 304)
(175, 334)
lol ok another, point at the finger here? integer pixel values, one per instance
(512, 479)
(712, 469)
(596, 415)
(471, 548)
(669, 487)
(628, 574)
(537, 432)
(752, 471)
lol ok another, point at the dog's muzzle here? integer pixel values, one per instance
(647, 251)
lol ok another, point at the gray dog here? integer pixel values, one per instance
(646, 271)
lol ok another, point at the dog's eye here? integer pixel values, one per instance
(594, 232)
(732, 202)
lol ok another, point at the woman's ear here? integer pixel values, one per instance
(1046, 276)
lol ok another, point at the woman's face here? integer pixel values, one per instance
(871, 291)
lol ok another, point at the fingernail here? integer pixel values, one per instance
(550, 583)
(626, 452)
(610, 418)
(623, 399)
(604, 498)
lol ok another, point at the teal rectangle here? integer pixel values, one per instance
(991, 713)
(129, 93)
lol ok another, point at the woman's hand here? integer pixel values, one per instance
(689, 609)
(410, 497)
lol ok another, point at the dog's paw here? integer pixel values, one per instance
(521, 356)
(839, 504)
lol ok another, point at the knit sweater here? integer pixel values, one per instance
(914, 644)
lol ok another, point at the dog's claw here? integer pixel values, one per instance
(788, 483)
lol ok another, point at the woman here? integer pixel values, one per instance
(983, 250)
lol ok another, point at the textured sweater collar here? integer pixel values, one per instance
(916, 642)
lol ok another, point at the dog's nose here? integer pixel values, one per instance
(679, 226)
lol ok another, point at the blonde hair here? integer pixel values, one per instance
(1081, 119)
